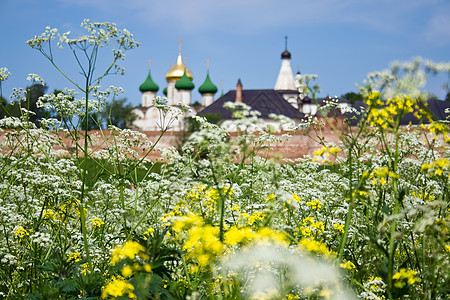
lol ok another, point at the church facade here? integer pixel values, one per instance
(178, 91)
(284, 99)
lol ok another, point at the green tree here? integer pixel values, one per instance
(3, 104)
(352, 97)
(447, 98)
(33, 92)
(119, 113)
(305, 87)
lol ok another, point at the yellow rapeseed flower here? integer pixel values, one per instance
(236, 235)
(266, 234)
(48, 214)
(118, 287)
(126, 271)
(21, 232)
(150, 231)
(403, 277)
(97, 222)
(186, 222)
(296, 198)
(339, 227)
(74, 256)
(348, 265)
(147, 268)
(86, 268)
(314, 204)
(315, 247)
(270, 197)
(128, 250)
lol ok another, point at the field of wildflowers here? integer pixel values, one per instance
(219, 219)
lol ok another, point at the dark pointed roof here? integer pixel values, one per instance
(286, 54)
(264, 101)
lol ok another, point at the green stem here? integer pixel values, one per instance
(84, 176)
(344, 238)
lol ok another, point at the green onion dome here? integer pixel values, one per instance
(184, 83)
(207, 86)
(149, 85)
(165, 91)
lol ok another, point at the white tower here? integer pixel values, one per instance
(285, 83)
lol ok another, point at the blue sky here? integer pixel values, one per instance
(340, 40)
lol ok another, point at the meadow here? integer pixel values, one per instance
(218, 219)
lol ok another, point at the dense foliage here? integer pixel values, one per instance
(220, 219)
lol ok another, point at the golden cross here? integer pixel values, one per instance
(179, 47)
(149, 63)
(207, 64)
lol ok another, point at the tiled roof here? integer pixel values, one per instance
(264, 101)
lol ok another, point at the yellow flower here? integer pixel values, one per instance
(315, 247)
(126, 271)
(21, 232)
(306, 231)
(270, 197)
(296, 198)
(147, 268)
(234, 235)
(186, 222)
(254, 217)
(86, 268)
(148, 233)
(319, 226)
(97, 222)
(266, 234)
(128, 250)
(348, 265)
(74, 256)
(48, 214)
(314, 204)
(339, 227)
(404, 276)
(118, 287)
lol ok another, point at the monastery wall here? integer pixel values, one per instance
(297, 146)
(136, 144)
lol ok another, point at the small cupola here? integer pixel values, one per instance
(148, 85)
(184, 83)
(207, 87)
(286, 55)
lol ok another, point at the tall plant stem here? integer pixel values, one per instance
(84, 175)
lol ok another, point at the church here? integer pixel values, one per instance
(179, 90)
(285, 99)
